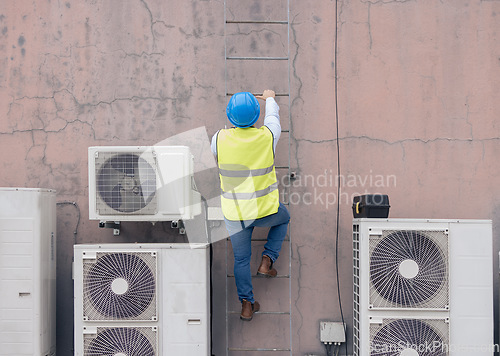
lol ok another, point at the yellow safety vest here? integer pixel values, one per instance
(247, 175)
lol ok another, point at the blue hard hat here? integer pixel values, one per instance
(243, 109)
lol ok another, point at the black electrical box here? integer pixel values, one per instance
(371, 206)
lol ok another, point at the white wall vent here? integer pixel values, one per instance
(27, 271)
(142, 183)
(142, 299)
(422, 287)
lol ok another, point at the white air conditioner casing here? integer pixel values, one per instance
(27, 271)
(142, 183)
(422, 283)
(142, 299)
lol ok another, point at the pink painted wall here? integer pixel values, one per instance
(418, 96)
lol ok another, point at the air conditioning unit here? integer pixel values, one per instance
(142, 299)
(143, 183)
(422, 287)
(27, 271)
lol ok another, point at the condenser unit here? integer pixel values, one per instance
(27, 271)
(422, 287)
(142, 183)
(142, 299)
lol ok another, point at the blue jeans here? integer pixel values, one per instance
(240, 233)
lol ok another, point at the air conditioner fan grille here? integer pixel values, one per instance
(409, 269)
(396, 337)
(120, 286)
(129, 341)
(126, 183)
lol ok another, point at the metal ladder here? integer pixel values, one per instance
(242, 24)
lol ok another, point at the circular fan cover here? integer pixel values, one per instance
(407, 268)
(407, 337)
(126, 182)
(120, 286)
(120, 341)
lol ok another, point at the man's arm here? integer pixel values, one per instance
(213, 145)
(272, 118)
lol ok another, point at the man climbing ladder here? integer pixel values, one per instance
(250, 197)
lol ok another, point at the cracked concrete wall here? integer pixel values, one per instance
(418, 94)
(75, 74)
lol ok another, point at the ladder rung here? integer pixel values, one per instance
(255, 349)
(260, 312)
(259, 94)
(258, 58)
(259, 276)
(262, 239)
(279, 22)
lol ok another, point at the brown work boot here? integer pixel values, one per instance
(266, 268)
(247, 310)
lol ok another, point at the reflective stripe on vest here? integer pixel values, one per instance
(235, 170)
(248, 196)
(247, 175)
